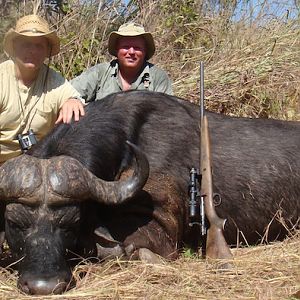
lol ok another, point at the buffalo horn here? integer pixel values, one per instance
(114, 192)
(22, 179)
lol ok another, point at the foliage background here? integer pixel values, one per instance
(250, 48)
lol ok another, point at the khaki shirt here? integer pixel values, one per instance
(102, 80)
(23, 108)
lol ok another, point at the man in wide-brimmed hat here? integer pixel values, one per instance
(133, 47)
(33, 97)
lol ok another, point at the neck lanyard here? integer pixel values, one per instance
(25, 117)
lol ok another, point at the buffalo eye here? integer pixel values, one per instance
(67, 218)
(18, 217)
(15, 226)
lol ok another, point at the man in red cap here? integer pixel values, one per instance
(133, 47)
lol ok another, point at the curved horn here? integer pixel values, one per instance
(76, 182)
(113, 192)
(63, 179)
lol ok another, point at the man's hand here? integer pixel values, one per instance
(70, 107)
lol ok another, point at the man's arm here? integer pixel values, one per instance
(69, 103)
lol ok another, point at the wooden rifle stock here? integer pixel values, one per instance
(216, 245)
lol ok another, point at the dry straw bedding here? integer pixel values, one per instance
(263, 272)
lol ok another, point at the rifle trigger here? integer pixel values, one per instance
(217, 199)
(191, 224)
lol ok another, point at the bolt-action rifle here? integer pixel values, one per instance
(202, 201)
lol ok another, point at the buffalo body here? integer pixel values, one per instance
(256, 167)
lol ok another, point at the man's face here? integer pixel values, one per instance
(31, 52)
(131, 52)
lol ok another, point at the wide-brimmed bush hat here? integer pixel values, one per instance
(131, 29)
(31, 25)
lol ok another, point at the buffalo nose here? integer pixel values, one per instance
(42, 286)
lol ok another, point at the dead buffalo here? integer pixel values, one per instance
(81, 189)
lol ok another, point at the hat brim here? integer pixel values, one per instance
(11, 35)
(114, 36)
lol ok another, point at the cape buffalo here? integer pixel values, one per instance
(75, 190)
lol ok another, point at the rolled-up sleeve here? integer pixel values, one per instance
(160, 81)
(67, 91)
(163, 83)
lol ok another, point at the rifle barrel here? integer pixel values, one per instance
(201, 91)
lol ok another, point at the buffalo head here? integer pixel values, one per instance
(43, 213)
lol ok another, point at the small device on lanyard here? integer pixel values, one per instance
(26, 140)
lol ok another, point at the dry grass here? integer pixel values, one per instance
(266, 272)
(249, 70)
(251, 64)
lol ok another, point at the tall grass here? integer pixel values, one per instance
(251, 52)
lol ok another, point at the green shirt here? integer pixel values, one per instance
(102, 80)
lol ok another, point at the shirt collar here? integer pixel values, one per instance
(141, 78)
(115, 68)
